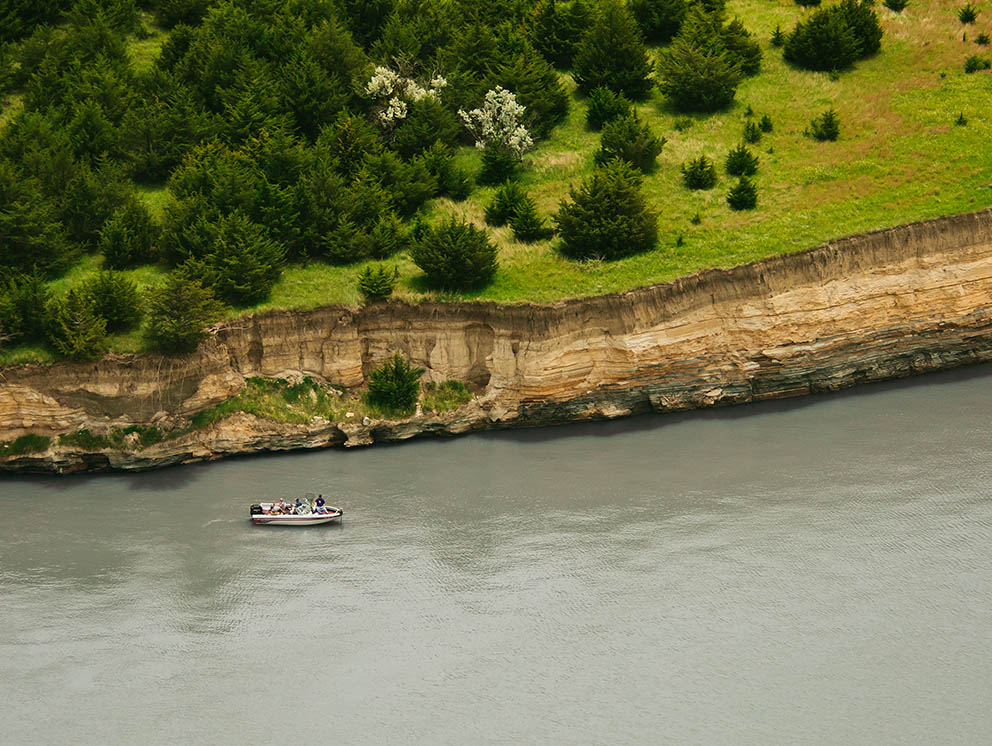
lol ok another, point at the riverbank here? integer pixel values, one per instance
(867, 308)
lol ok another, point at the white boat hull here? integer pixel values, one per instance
(293, 519)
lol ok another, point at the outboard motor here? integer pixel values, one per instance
(256, 510)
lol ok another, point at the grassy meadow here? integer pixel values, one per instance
(900, 158)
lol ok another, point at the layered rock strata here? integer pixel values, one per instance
(871, 307)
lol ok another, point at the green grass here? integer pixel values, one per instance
(29, 443)
(278, 400)
(899, 159)
(85, 439)
(446, 396)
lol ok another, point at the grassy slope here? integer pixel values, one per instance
(900, 159)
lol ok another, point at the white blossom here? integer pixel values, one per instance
(391, 92)
(497, 122)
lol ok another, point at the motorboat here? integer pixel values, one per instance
(307, 513)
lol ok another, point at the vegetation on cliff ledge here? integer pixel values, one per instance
(272, 150)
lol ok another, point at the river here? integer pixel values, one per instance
(809, 572)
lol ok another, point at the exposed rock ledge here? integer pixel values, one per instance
(867, 308)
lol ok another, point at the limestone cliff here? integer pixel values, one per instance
(866, 308)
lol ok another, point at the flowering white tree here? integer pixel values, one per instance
(391, 93)
(498, 122)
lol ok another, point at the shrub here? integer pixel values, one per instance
(778, 37)
(178, 313)
(445, 396)
(896, 6)
(115, 298)
(607, 216)
(612, 55)
(84, 439)
(604, 107)
(498, 126)
(808, 3)
(982, 40)
(75, 329)
(962, 120)
(752, 133)
(506, 201)
(630, 140)
(976, 62)
(699, 173)
(741, 161)
(825, 127)
(527, 224)
(833, 38)
(825, 41)
(394, 386)
(243, 262)
(698, 77)
(557, 29)
(681, 124)
(967, 13)
(659, 20)
(128, 237)
(765, 124)
(743, 195)
(30, 443)
(22, 315)
(377, 281)
(863, 21)
(455, 255)
(451, 180)
(498, 165)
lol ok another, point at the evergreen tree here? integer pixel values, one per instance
(741, 161)
(377, 281)
(74, 327)
(128, 238)
(631, 140)
(825, 41)
(604, 107)
(455, 256)
(698, 78)
(659, 20)
(607, 216)
(243, 263)
(699, 173)
(394, 386)
(612, 54)
(508, 199)
(115, 299)
(557, 27)
(743, 195)
(178, 313)
(527, 225)
(31, 234)
(26, 298)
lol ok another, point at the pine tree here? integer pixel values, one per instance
(612, 54)
(632, 140)
(659, 20)
(741, 161)
(527, 225)
(75, 329)
(178, 313)
(743, 195)
(607, 217)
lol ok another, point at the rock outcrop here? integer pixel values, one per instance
(871, 307)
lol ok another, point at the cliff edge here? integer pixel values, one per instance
(866, 308)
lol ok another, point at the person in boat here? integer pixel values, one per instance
(280, 507)
(297, 506)
(320, 504)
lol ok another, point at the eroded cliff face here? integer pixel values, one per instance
(866, 308)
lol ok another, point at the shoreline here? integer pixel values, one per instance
(871, 307)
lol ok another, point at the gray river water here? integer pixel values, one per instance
(812, 572)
